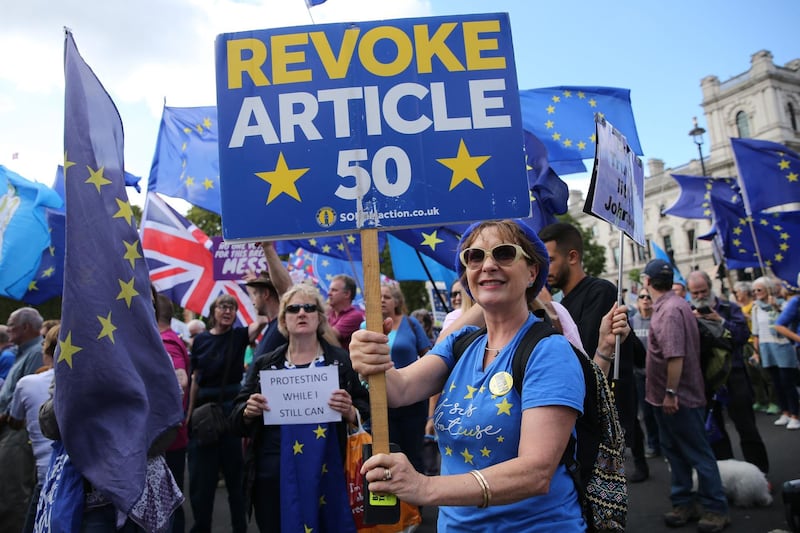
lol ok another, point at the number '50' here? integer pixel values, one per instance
(348, 165)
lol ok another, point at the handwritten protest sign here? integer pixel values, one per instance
(300, 395)
(616, 191)
(393, 123)
(233, 260)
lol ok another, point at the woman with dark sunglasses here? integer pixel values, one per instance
(501, 449)
(311, 343)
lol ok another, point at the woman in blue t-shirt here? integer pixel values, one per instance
(408, 342)
(500, 449)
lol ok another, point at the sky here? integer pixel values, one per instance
(151, 51)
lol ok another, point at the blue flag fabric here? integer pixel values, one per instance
(549, 193)
(768, 173)
(48, 282)
(696, 192)
(775, 234)
(117, 391)
(23, 230)
(439, 243)
(186, 162)
(563, 118)
(314, 495)
(345, 247)
(58, 184)
(659, 253)
(408, 266)
(322, 268)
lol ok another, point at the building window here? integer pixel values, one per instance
(668, 243)
(742, 125)
(615, 254)
(692, 241)
(792, 117)
(647, 249)
(641, 253)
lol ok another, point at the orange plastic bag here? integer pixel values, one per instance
(410, 519)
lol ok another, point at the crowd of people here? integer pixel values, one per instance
(501, 443)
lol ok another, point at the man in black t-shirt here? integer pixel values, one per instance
(588, 299)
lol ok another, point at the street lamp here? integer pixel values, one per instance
(697, 135)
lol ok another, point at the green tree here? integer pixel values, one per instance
(210, 223)
(635, 275)
(594, 255)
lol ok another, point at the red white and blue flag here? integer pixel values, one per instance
(181, 263)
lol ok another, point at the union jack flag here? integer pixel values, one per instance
(181, 264)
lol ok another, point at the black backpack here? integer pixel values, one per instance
(598, 467)
(716, 349)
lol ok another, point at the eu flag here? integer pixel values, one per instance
(439, 243)
(314, 495)
(549, 194)
(768, 173)
(186, 162)
(48, 282)
(775, 233)
(563, 118)
(696, 192)
(23, 230)
(116, 388)
(345, 247)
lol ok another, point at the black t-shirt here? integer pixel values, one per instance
(209, 354)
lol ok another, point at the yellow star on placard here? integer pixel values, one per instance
(464, 166)
(132, 252)
(320, 432)
(96, 178)
(297, 448)
(127, 292)
(108, 328)
(430, 240)
(124, 211)
(467, 456)
(282, 180)
(504, 407)
(67, 350)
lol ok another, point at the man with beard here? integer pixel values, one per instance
(739, 402)
(588, 299)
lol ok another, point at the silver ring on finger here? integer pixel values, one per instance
(387, 474)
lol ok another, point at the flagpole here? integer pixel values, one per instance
(747, 211)
(308, 8)
(433, 283)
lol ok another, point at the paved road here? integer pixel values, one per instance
(649, 500)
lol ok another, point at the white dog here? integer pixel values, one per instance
(743, 483)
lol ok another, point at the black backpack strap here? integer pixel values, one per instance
(463, 341)
(537, 332)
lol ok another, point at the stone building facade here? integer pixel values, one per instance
(762, 103)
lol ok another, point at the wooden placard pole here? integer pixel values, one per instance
(372, 298)
(378, 508)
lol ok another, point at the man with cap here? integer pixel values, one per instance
(265, 291)
(588, 299)
(676, 390)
